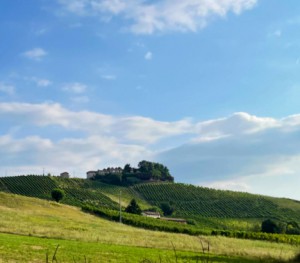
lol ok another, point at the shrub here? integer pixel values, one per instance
(133, 208)
(167, 209)
(57, 194)
(269, 226)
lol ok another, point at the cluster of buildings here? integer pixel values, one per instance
(91, 174)
(109, 170)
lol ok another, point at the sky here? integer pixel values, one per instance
(209, 88)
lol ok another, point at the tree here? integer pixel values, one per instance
(57, 194)
(155, 171)
(167, 209)
(133, 208)
(269, 226)
(127, 169)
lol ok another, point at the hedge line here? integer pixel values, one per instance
(160, 225)
(143, 222)
(279, 238)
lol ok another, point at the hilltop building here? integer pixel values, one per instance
(109, 170)
(91, 174)
(65, 175)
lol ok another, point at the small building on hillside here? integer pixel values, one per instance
(91, 174)
(151, 214)
(65, 175)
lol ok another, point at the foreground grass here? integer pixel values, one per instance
(40, 225)
(36, 249)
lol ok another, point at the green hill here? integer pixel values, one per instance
(31, 229)
(207, 208)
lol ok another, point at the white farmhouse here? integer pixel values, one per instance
(151, 214)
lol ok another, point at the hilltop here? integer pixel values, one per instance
(145, 172)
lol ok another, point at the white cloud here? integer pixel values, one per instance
(148, 55)
(133, 129)
(35, 54)
(167, 15)
(74, 6)
(239, 152)
(236, 124)
(281, 180)
(7, 88)
(75, 87)
(30, 154)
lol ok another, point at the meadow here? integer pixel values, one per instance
(32, 228)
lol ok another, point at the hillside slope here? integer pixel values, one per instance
(40, 225)
(191, 201)
(208, 207)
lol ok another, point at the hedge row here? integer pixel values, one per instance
(279, 238)
(143, 222)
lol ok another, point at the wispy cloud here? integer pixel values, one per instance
(148, 55)
(7, 88)
(41, 31)
(276, 33)
(35, 54)
(167, 15)
(75, 87)
(41, 82)
(109, 77)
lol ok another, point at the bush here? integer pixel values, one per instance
(269, 226)
(57, 194)
(296, 258)
(167, 209)
(133, 208)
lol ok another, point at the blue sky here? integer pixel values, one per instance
(209, 88)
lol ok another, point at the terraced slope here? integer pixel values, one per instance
(212, 208)
(77, 192)
(191, 201)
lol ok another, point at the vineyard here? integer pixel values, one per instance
(78, 191)
(191, 202)
(204, 207)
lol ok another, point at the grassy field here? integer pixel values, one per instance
(30, 227)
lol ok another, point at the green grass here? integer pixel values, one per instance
(30, 227)
(36, 249)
